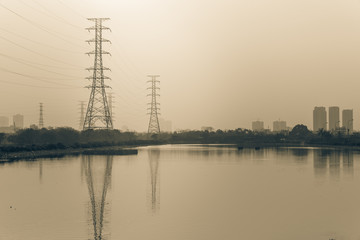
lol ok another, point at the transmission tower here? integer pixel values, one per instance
(111, 101)
(41, 118)
(154, 126)
(82, 114)
(98, 113)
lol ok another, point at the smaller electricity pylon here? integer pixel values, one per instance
(154, 126)
(41, 117)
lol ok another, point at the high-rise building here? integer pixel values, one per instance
(279, 126)
(4, 121)
(165, 125)
(319, 119)
(334, 118)
(258, 126)
(18, 121)
(347, 120)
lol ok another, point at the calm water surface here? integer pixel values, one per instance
(187, 192)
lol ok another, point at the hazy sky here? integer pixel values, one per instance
(223, 63)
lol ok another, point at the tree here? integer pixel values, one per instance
(300, 131)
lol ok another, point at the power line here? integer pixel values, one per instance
(37, 78)
(39, 26)
(42, 55)
(22, 61)
(33, 86)
(71, 9)
(52, 14)
(40, 43)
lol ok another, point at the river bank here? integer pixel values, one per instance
(6, 157)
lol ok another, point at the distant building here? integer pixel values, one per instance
(210, 129)
(18, 121)
(124, 128)
(319, 118)
(4, 121)
(7, 130)
(347, 120)
(258, 126)
(334, 118)
(165, 125)
(279, 126)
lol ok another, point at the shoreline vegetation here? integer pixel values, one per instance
(55, 142)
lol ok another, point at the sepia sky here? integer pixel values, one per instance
(223, 63)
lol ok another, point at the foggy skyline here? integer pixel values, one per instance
(222, 63)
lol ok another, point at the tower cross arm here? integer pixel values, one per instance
(94, 28)
(102, 52)
(100, 40)
(103, 68)
(91, 86)
(100, 77)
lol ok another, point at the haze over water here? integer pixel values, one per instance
(184, 192)
(225, 63)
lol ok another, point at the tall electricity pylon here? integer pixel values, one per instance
(154, 126)
(41, 117)
(111, 108)
(82, 114)
(98, 115)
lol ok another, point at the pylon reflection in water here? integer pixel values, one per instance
(154, 195)
(98, 178)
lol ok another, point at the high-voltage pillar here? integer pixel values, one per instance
(41, 117)
(154, 126)
(98, 114)
(82, 114)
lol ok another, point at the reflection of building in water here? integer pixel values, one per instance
(331, 159)
(154, 155)
(348, 162)
(334, 164)
(320, 162)
(300, 152)
(40, 170)
(97, 171)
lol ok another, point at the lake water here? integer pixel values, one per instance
(184, 192)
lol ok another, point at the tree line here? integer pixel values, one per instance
(60, 138)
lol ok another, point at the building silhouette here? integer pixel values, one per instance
(319, 119)
(207, 128)
(258, 126)
(18, 121)
(165, 125)
(334, 118)
(4, 121)
(279, 126)
(347, 120)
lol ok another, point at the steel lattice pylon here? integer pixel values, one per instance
(154, 126)
(41, 117)
(98, 115)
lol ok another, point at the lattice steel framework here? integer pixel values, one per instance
(154, 155)
(154, 126)
(82, 114)
(98, 114)
(41, 117)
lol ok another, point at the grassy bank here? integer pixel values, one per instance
(28, 155)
